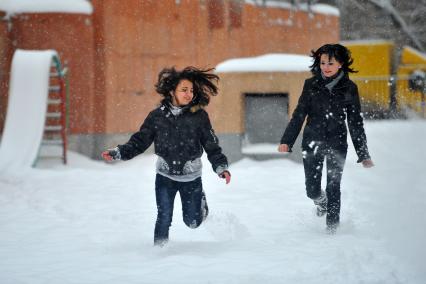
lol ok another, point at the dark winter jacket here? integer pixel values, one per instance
(177, 139)
(326, 112)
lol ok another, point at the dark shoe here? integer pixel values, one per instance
(160, 243)
(332, 228)
(321, 203)
(332, 221)
(321, 210)
(205, 208)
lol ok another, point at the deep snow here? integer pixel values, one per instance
(91, 222)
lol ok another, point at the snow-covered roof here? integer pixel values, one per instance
(276, 62)
(46, 6)
(316, 8)
(415, 51)
(325, 9)
(365, 41)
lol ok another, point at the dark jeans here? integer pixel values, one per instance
(194, 205)
(313, 161)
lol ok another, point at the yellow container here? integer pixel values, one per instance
(372, 60)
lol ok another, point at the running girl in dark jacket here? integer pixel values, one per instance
(180, 129)
(328, 100)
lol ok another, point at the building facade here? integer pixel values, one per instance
(115, 53)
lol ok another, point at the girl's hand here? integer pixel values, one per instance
(111, 154)
(283, 148)
(367, 163)
(106, 156)
(226, 175)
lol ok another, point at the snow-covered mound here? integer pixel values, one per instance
(91, 222)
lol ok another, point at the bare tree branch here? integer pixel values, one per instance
(387, 6)
(355, 2)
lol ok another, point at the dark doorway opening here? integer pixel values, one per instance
(266, 116)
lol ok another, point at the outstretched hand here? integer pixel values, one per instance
(283, 148)
(226, 175)
(111, 154)
(367, 163)
(106, 156)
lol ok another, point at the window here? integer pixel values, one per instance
(216, 12)
(235, 13)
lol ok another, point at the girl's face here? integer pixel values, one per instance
(183, 94)
(329, 66)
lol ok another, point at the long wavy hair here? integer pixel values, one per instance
(338, 51)
(204, 83)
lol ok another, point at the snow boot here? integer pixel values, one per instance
(332, 221)
(160, 242)
(321, 203)
(332, 228)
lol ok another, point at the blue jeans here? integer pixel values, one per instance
(194, 205)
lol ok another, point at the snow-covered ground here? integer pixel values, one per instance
(91, 222)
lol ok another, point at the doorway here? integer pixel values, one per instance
(266, 116)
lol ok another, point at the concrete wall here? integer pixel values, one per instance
(227, 110)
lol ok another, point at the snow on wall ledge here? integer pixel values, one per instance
(12, 7)
(316, 8)
(278, 62)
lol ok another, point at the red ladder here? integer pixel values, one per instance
(55, 130)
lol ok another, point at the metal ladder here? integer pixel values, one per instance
(55, 130)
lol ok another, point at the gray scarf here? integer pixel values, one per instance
(175, 110)
(333, 82)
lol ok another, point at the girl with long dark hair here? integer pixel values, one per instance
(180, 129)
(328, 100)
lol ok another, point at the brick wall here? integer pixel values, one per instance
(72, 36)
(5, 56)
(115, 54)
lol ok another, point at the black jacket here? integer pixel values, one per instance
(177, 139)
(326, 113)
